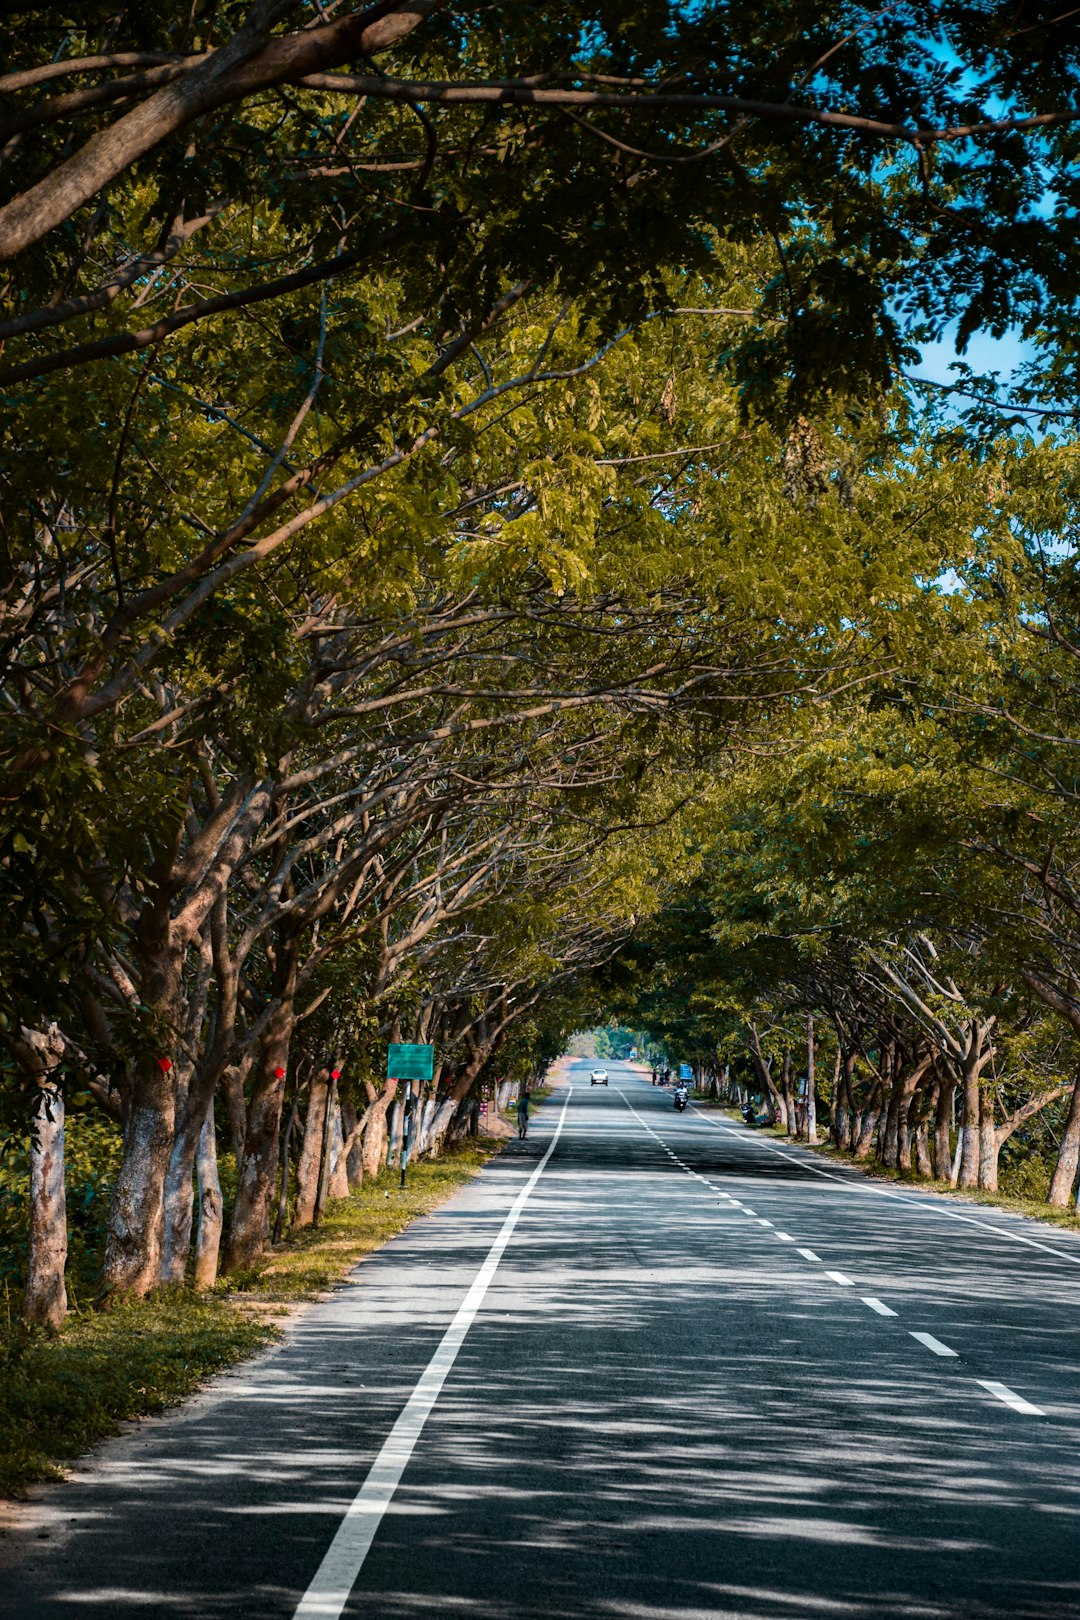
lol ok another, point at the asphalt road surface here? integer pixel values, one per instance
(648, 1365)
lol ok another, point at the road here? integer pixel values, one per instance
(704, 1374)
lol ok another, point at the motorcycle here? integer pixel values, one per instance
(749, 1113)
(682, 1097)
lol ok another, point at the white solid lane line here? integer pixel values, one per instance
(838, 1277)
(330, 1589)
(1010, 1397)
(808, 1254)
(935, 1345)
(877, 1305)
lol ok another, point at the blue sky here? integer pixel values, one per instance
(984, 353)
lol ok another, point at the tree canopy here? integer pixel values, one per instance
(473, 564)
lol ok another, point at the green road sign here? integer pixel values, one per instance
(405, 1061)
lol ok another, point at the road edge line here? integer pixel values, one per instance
(333, 1581)
(865, 1187)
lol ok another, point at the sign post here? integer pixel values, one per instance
(407, 1061)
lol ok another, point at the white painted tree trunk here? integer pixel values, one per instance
(1064, 1178)
(811, 1081)
(393, 1150)
(178, 1199)
(135, 1228)
(208, 1240)
(354, 1163)
(307, 1170)
(423, 1141)
(375, 1140)
(338, 1184)
(45, 1302)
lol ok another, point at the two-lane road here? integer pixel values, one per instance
(648, 1365)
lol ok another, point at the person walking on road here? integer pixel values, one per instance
(523, 1114)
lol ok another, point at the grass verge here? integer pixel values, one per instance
(58, 1395)
(61, 1394)
(1035, 1208)
(315, 1258)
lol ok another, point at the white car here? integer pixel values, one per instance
(598, 1077)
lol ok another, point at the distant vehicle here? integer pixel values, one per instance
(598, 1077)
(682, 1097)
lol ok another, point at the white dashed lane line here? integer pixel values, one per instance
(1000, 1392)
(1010, 1397)
(935, 1345)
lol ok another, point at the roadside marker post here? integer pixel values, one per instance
(410, 1062)
(407, 1127)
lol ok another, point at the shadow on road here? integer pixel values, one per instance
(658, 1414)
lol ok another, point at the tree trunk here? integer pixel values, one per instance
(375, 1132)
(310, 1161)
(447, 1109)
(868, 1124)
(907, 1114)
(45, 1299)
(1064, 1177)
(249, 1229)
(133, 1241)
(969, 1133)
(426, 1117)
(178, 1201)
(338, 1186)
(393, 1151)
(893, 1069)
(135, 1226)
(943, 1126)
(978, 1053)
(764, 1074)
(789, 1117)
(327, 1142)
(843, 1110)
(811, 1081)
(208, 1239)
(178, 1204)
(989, 1145)
(286, 1152)
(354, 1163)
(232, 1086)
